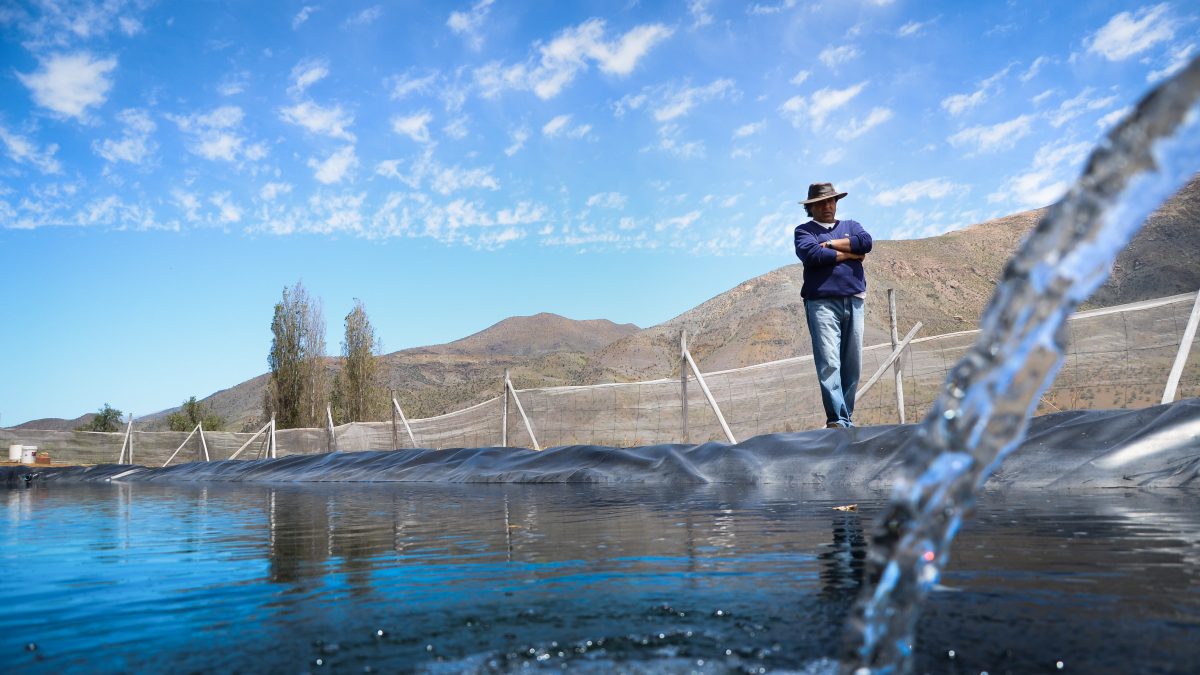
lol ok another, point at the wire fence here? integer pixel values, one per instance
(1117, 357)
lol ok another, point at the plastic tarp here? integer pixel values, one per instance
(1158, 446)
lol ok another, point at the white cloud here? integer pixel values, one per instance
(563, 58)
(1034, 68)
(525, 213)
(1129, 34)
(1110, 120)
(608, 200)
(135, 145)
(334, 168)
(680, 101)
(307, 73)
(366, 17)
(1177, 59)
(1046, 180)
(332, 122)
(453, 179)
(930, 188)
(69, 84)
(832, 57)
(559, 126)
(22, 150)
(415, 126)
(1001, 136)
(468, 24)
(273, 189)
(518, 137)
(800, 77)
(833, 156)
(678, 222)
(749, 129)
(853, 128)
(555, 126)
(404, 85)
(227, 211)
(820, 105)
(771, 9)
(960, 103)
(669, 142)
(214, 135)
(457, 128)
(233, 84)
(1037, 100)
(302, 16)
(188, 202)
(129, 26)
(1074, 107)
(912, 28)
(699, 11)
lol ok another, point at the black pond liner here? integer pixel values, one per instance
(1151, 447)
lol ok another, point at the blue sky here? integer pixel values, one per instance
(166, 168)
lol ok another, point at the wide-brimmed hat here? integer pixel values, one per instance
(821, 191)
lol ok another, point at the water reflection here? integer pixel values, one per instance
(459, 577)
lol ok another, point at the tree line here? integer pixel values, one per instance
(301, 386)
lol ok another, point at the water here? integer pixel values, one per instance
(989, 397)
(491, 578)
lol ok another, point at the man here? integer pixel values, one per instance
(834, 290)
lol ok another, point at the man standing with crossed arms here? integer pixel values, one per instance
(834, 290)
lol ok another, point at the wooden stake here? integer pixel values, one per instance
(504, 414)
(203, 443)
(189, 437)
(708, 394)
(890, 360)
(897, 368)
(521, 409)
(1185, 346)
(397, 409)
(395, 435)
(274, 446)
(330, 439)
(683, 380)
(258, 433)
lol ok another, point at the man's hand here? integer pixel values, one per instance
(842, 256)
(842, 245)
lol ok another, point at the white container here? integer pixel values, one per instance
(29, 454)
(14, 453)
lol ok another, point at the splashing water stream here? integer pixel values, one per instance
(985, 405)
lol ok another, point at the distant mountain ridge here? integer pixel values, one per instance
(944, 282)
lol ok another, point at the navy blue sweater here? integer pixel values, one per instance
(824, 277)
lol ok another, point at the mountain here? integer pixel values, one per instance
(944, 281)
(57, 423)
(541, 350)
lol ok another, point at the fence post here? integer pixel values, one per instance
(504, 413)
(203, 443)
(683, 380)
(521, 409)
(330, 439)
(272, 438)
(897, 368)
(396, 409)
(1185, 346)
(395, 434)
(712, 402)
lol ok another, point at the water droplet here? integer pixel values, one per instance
(379, 633)
(1059, 665)
(319, 662)
(31, 647)
(728, 652)
(429, 648)
(950, 653)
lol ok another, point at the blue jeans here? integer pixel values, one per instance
(836, 326)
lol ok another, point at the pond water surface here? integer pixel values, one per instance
(499, 578)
